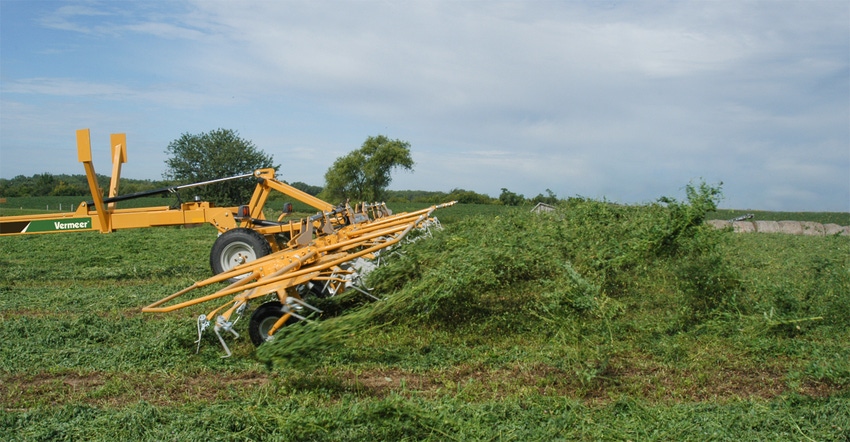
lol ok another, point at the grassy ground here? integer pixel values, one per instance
(595, 323)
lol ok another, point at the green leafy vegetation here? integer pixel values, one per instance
(213, 155)
(365, 173)
(45, 192)
(594, 322)
(59, 192)
(62, 185)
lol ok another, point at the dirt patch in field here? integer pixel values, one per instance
(119, 389)
(653, 384)
(476, 383)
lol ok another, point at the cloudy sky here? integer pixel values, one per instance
(623, 100)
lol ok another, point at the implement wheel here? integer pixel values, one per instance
(262, 320)
(236, 247)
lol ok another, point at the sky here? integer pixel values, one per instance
(626, 101)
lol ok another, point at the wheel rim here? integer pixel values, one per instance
(266, 325)
(235, 254)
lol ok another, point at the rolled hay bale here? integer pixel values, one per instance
(790, 227)
(835, 229)
(743, 227)
(812, 228)
(767, 226)
(718, 223)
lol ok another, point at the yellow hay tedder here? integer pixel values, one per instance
(245, 233)
(322, 261)
(253, 259)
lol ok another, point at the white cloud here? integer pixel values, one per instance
(161, 94)
(628, 100)
(66, 87)
(69, 18)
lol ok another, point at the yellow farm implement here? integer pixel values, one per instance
(245, 233)
(322, 262)
(256, 259)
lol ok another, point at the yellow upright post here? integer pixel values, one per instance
(119, 156)
(84, 156)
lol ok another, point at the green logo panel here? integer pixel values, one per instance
(59, 224)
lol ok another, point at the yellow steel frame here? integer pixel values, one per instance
(279, 273)
(107, 218)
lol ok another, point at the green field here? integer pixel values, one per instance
(596, 322)
(50, 204)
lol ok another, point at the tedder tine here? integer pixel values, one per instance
(279, 273)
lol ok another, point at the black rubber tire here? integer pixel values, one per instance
(263, 318)
(235, 247)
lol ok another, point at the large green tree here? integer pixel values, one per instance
(509, 198)
(216, 154)
(365, 174)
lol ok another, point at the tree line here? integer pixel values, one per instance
(362, 175)
(46, 184)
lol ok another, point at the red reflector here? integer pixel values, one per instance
(243, 212)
